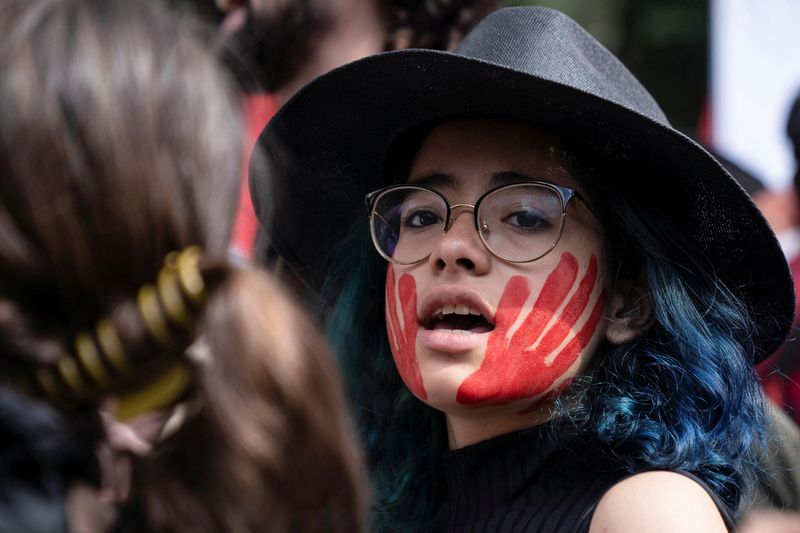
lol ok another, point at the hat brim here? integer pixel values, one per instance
(326, 147)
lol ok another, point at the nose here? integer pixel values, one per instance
(461, 248)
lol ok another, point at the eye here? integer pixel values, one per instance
(421, 218)
(527, 220)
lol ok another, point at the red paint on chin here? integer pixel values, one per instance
(511, 369)
(403, 337)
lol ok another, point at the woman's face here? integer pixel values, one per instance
(533, 326)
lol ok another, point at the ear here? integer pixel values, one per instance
(629, 311)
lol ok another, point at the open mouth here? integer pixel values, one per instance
(458, 319)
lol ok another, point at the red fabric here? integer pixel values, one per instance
(780, 374)
(258, 109)
(704, 132)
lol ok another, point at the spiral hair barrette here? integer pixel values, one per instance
(100, 362)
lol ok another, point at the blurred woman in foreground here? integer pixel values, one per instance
(120, 153)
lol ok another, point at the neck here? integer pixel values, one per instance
(464, 429)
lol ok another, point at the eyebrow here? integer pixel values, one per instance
(505, 177)
(434, 180)
(508, 177)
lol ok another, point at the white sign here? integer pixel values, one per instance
(755, 76)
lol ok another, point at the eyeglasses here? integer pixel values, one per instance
(518, 223)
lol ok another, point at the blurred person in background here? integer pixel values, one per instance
(146, 378)
(277, 46)
(274, 47)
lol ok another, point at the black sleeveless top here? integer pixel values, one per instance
(523, 482)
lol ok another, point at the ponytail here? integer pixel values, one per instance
(269, 446)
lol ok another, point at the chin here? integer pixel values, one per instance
(533, 410)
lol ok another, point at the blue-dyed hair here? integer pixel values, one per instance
(682, 396)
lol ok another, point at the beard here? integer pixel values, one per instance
(277, 38)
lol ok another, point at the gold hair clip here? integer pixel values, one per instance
(86, 376)
(189, 274)
(111, 345)
(90, 359)
(152, 315)
(170, 292)
(68, 369)
(179, 277)
(162, 391)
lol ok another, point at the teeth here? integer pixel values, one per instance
(460, 309)
(458, 331)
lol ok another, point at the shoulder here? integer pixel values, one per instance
(654, 502)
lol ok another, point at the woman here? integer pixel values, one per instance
(120, 150)
(559, 328)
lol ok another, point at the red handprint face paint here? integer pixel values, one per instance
(493, 341)
(402, 332)
(527, 355)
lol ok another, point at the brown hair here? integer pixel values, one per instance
(120, 142)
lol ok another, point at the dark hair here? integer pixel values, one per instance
(120, 141)
(41, 456)
(793, 132)
(437, 24)
(793, 126)
(681, 396)
(280, 36)
(277, 39)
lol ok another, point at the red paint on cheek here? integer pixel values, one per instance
(403, 337)
(511, 369)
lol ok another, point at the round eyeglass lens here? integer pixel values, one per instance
(521, 222)
(407, 222)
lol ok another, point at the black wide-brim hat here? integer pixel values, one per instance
(326, 146)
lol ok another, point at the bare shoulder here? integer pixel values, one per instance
(655, 502)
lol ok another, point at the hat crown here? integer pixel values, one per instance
(546, 43)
